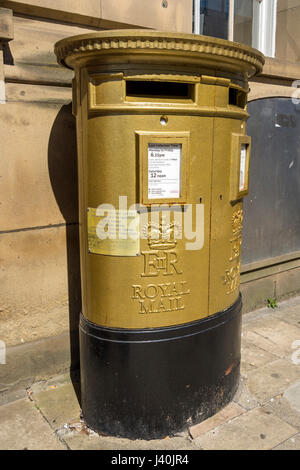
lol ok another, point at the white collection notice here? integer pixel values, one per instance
(243, 167)
(164, 168)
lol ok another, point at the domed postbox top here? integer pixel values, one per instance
(149, 46)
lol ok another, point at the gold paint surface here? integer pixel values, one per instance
(119, 241)
(237, 141)
(187, 48)
(159, 281)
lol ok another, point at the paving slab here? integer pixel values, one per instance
(289, 314)
(275, 336)
(254, 430)
(293, 443)
(59, 379)
(264, 413)
(57, 402)
(272, 379)
(23, 427)
(242, 396)
(281, 407)
(87, 440)
(229, 412)
(292, 395)
(10, 395)
(253, 356)
(254, 315)
(262, 342)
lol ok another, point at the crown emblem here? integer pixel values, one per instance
(237, 221)
(161, 236)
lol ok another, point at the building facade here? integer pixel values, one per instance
(39, 249)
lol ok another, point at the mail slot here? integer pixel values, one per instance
(159, 90)
(163, 164)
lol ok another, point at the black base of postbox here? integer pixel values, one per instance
(150, 383)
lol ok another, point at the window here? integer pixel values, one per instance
(250, 22)
(214, 18)
(243, 21)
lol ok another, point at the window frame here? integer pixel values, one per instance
(263, 25)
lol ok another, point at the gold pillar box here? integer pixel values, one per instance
(161, 132)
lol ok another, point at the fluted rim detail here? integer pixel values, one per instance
(69, 49)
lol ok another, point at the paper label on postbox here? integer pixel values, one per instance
(164, 169)
(114, 233)
(243, 167)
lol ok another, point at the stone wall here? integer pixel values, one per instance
(39, 253)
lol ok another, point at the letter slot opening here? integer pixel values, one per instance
(159, 90)
(237, 98)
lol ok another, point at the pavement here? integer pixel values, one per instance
(264, 414)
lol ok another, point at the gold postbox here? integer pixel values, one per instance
(163, 164)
